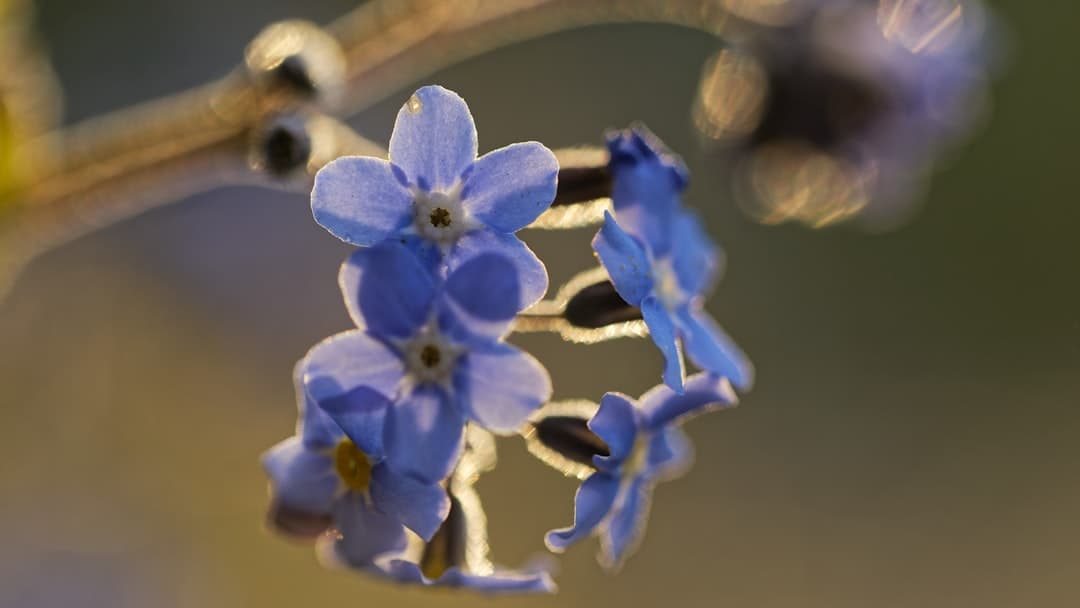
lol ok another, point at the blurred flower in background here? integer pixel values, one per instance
(838, 109)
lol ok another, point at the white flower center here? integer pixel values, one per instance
(667, 284)
(440, 216)
(430, 358)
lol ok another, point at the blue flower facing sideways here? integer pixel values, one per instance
(331, 477)
(660, 259)
(435, 195)
(645, 445)
(433, 354)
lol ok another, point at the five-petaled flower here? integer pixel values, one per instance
(435, 195)
(331, 477)
(664, 262)
(645, 446)
(434, 351)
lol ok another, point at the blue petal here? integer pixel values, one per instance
(434, 138)
(646, 183)
(482, 297)
(592, 503)
(662, 406)
(387, 290)
(343, 362)
(499, 386)
(360, 413)
(499, 582)
(317, 430)
(404, 571)
(510, 187)
(303, 480)
(695, 258)
(670, 454)
(616, 422)
(712, 350)
(625, 260)
(366, 533)
(531, 274)
(423, 435)
(662, 331)
(623, 531)
(360, 201)
(422, 507)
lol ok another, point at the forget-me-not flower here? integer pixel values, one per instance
(437, 196)
(669, 289)
(334, 477)
(458, 553)
(434, 350)
(645, 446)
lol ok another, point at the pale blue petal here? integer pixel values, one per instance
(317, 430)
(625, 260)
(646, 183)
(360, 413)
(499, 582)
(592, 503)
(711, 349)
(303, 480)
(499, 386)
(422, 507)
(670, 454)
(662, 332)
(622, 533)
(408, 572)
(343, 362)
(434, 138)
(387, 290)
(510, 187)
(360, 200)
(695, 259)
(703, 392)
(366, 533)
(616, 422)
(482, 297)
(531, 274)
(423, 435)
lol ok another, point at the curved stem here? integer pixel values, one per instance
(111, 167)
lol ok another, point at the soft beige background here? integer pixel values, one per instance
(912, 441)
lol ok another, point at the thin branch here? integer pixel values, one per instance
(108, 168)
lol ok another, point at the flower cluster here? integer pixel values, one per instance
(396, 416)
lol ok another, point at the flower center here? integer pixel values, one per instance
(430, 358)
(638, 458)
(353, 466)
(439, 216)
(667, 285)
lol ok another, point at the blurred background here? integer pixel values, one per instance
(913, 438)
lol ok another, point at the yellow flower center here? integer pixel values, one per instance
(353, 466)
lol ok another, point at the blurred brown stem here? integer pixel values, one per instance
(107, 168)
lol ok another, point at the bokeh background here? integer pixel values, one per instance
(913, 440)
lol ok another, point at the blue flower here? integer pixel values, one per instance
(458, 554)
(437, 196)
(647, 184)
(434, 351)
(669, 289)
(335, 477)
(645, 446)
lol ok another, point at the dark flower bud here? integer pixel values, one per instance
(559, 435)
(582, 185)
(598, 305)
(282, 145)
(447, 548)
(296, 61)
